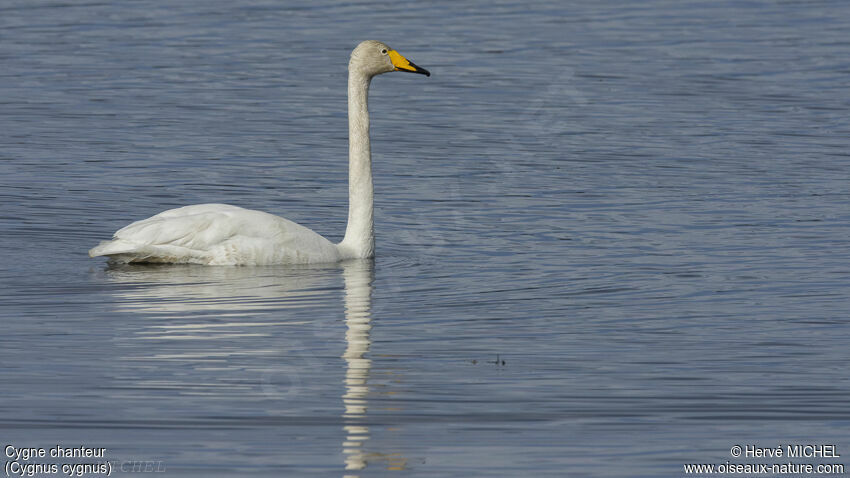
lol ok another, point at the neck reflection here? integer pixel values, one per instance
(358, 277)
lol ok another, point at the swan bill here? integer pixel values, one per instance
(403, 64)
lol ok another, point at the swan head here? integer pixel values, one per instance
(373, 58)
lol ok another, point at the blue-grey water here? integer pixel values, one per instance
(641, 208)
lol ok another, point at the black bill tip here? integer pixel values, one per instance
(417, 69)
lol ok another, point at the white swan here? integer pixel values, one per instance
(219, 234)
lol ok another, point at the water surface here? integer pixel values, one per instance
(641, 208)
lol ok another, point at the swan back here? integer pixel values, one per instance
(217, 234)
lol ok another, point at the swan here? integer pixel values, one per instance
(221, 234)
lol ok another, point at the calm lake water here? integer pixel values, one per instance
(641, 208)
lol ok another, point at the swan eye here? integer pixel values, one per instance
(384, 51)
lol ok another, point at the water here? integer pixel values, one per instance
(641, 208)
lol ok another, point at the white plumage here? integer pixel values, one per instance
(217, 234)
(220, 234)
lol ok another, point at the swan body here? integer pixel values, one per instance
(221, 234)
(218, 234)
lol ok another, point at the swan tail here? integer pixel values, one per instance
(108, 248)
(122, 251)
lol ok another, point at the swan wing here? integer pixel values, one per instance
(217, 234)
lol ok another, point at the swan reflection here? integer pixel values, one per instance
(358, 305)
(243, 305)
(222, 290)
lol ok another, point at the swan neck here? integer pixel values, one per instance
(359, 238)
